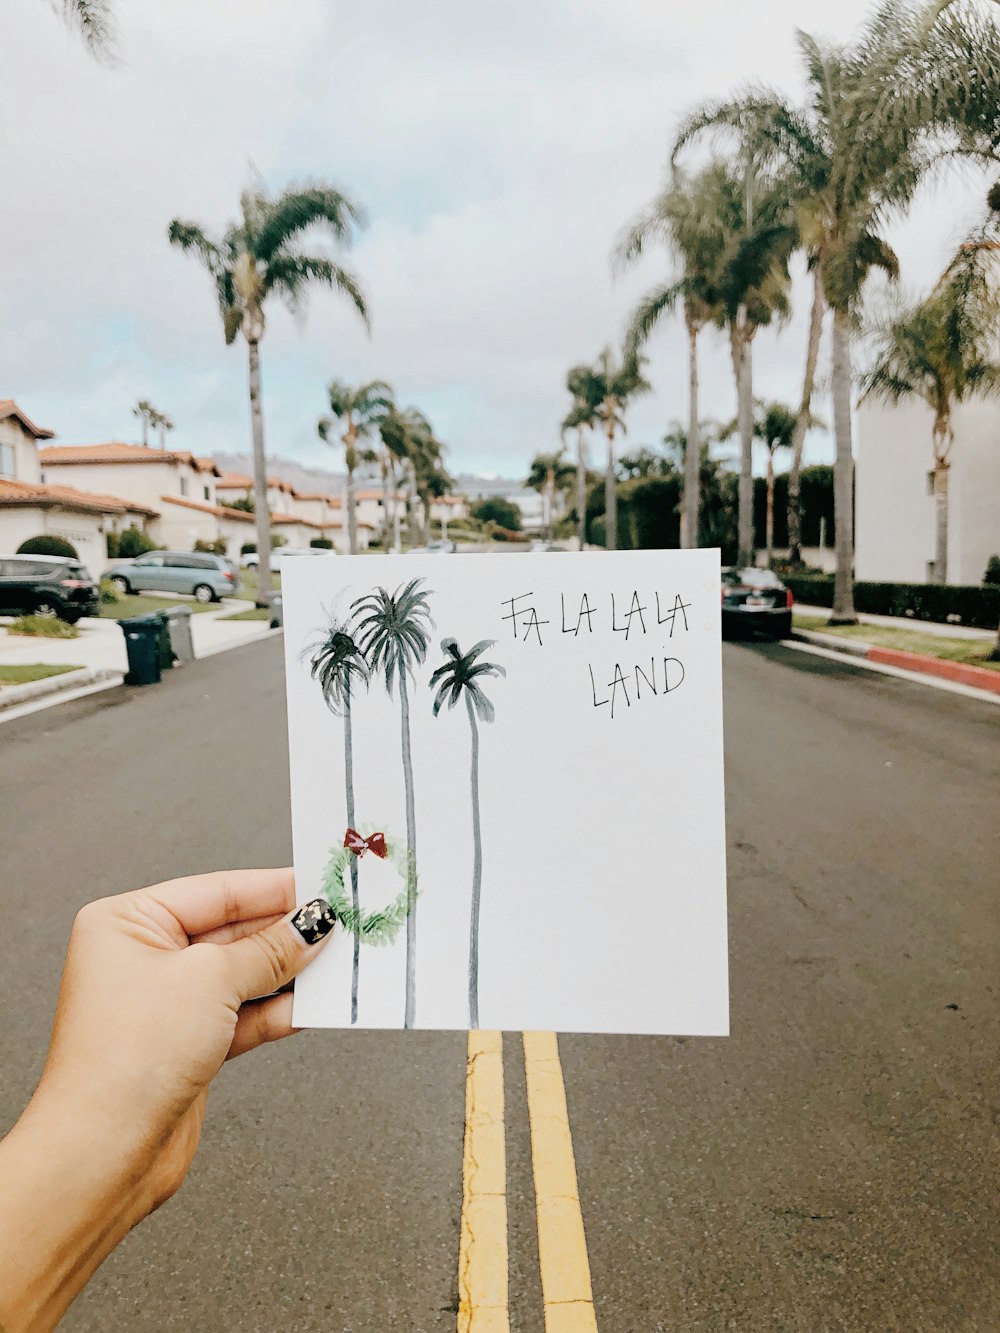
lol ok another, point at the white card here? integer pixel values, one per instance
(566, 809)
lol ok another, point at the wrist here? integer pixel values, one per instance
(67, 1198)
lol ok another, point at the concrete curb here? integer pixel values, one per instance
(13, 696)
(958, 673)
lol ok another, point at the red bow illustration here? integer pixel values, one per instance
(354, 842)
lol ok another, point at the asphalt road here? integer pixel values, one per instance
(825, 1168)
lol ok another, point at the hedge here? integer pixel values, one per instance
(972, 605)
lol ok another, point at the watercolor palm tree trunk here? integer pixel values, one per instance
(477, 870)
(410, 1011)
(351, 822)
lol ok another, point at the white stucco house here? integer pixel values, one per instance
(894, 506)
(31, 507)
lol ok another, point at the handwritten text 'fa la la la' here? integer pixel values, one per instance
(631, 616)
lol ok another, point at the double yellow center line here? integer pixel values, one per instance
(562, 1246)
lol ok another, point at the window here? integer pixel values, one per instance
(207, 492)
(184, 485)
(7, 460)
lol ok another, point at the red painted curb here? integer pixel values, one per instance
(980, 678)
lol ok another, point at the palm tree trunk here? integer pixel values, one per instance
(355, 900)
(843, 474)
(352, 514)
(941, 470)
(739, 340)
(262, 515)
(477, 872)
(769, 524)
(386, 510)
(410, 1011)
(803, 417)
(145, 429)
(692, 458)
(426, 500)
(611, 492)
(412, 532)
(581, 490)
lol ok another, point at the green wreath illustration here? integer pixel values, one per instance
(378, 927)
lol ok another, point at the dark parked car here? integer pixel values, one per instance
(755, 599)
(46, 585)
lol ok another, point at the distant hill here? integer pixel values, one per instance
(321, 479)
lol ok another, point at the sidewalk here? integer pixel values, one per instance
(100, 644)
(906, 622)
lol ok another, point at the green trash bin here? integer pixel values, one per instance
(142, 643)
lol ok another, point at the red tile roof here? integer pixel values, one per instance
(115, 451)
(29, 493)
(8, 408)
(334, 501)
(219, 511)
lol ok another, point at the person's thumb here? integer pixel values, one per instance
(262, 963)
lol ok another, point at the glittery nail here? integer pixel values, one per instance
(314, 921)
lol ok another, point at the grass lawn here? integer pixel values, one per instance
(43, 627)
(248, 583)
(254, 613)
(21, 675)
(967, 651)
(141, 604)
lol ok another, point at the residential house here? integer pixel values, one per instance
(31, 507)
(298, 516)
(894, 505)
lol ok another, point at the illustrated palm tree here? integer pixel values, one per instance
(356, 412)
(942, 350)
(392, 630)
(581, 417)
(256, 258)
(550, 474)
(682, 218)
(459, 678)
(610, 386)
(919, 83)
(94, 21)
(338, 665)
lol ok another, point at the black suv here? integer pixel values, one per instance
(46, 585)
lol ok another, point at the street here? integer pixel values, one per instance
(825, 1168)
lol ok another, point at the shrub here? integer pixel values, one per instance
(218, 547)
(321, 544)
(992, 574)
(43, 627)
(498, 510)
(277, 539)
(243, 503)
(48, 544)
(129, 543)
(969, 605)
(500, 534)
(110, 595)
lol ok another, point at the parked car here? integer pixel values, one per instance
(47, 585)
(443, 547)
(755, 599)
(208, 577)
(280, 553)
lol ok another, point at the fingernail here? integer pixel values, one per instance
(314, 921)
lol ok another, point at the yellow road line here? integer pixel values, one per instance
(482, 1259)
(562, 1245)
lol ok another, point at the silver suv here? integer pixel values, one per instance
(207, 577)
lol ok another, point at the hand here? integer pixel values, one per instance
(160, 988)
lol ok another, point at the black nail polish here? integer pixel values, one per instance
(314, 921)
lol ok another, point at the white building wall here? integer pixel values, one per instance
(142, 482)
(18, 523)
(895, 523)
(25, 450)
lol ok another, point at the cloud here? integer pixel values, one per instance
(498, 150)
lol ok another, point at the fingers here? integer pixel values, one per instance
(263, 962)
(260, 1022)
(204, 902)
(236, 930)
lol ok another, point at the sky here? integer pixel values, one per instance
(498, 151)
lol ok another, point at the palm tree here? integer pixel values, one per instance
(336, 662)
(918, 83)
(682, 218)
(581, 417)
(549, 474)
(95, 23)
(610, 386)
(942, 350)
(258, 257)
(392, 629)
(775, 426)
(146, 413)
(163, 424)
(458, 677)
(357, 411)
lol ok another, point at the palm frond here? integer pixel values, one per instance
(298, 209)
(290, 274)
(94, 22)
